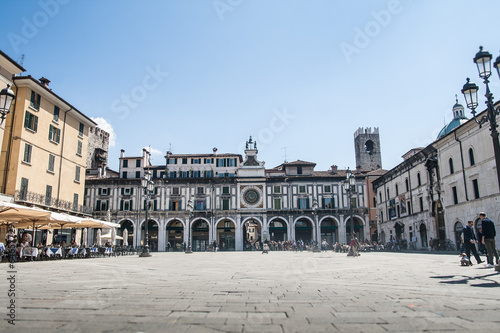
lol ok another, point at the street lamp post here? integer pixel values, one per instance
(6, 98)
(190, 209)
(350, 189)
(315, 214)
(483, 62)
(148, 185)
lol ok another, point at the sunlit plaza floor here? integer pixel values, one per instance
(252, 292)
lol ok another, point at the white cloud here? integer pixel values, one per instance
(104, 125)
(154, 151)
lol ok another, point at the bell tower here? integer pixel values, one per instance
(367, 148)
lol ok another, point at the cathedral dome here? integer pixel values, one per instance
(459, 118)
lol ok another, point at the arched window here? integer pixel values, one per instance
(380, 196)
(419, 180)
(388, 194)
(471, 157)
(397, 190)
(407, 184)
(452, 169)
(369, 147)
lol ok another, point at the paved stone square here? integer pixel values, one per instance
(253, 292)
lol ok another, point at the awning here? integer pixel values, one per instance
(10, 212)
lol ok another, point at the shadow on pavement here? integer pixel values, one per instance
(484, 281)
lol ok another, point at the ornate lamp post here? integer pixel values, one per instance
(148, 185)
(315, 214)
(6, 98)
(190, 209)
(350, 189)
(483, 62)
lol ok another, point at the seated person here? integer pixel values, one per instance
(108, 244)
(28, 238)
(10, 237)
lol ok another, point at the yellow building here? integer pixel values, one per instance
(8, 68)
(44, 149)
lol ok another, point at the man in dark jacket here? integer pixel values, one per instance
(489, 234)
(470, 241)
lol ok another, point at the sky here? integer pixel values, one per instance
(299, 76)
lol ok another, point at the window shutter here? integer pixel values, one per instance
(99, 191)
(155, 205)
(131, 190)
(36, 124)
(121, 204)
(122, 191)
(98, 205)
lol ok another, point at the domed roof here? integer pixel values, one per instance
(458, 119)
(451, 126)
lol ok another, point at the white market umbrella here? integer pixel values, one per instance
(84, 237)
(113, 236)
(99, 237)
(125, 237)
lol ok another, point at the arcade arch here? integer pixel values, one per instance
(175, 235)
(152, 235)
(129, 226)
(329, 230)
(226, 235)
(278, 230)
(304, 230)
(252, 230)
(358, 228)
(200, 230)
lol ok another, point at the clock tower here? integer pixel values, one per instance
(251, 179)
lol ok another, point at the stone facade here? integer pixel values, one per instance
(98, 146)
(437, 189)
(367, 148)
(230, 195)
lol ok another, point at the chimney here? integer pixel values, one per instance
(334, 169)
(122, 153)
(45, 82)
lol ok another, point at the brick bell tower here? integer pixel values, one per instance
(367, 148)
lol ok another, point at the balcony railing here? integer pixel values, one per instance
(38, 199)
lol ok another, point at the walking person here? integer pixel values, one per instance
(489, 234)
(470, 240)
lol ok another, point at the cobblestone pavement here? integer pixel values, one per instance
(253, 292)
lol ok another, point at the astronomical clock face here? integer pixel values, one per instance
(251, 196)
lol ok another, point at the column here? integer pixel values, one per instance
(238, 233)
(342, 233)
(292, 227)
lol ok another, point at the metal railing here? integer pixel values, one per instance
(42, 200)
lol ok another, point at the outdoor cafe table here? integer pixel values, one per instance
(29, 252)
(71, 251)
(52, 251)
(108, 251)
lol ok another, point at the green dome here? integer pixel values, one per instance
(451, 126)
